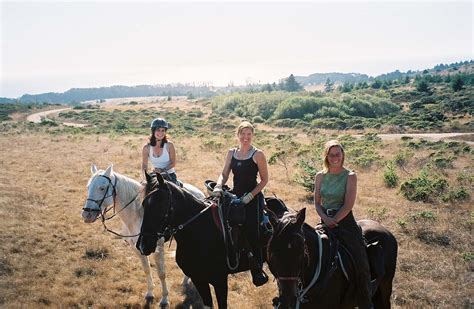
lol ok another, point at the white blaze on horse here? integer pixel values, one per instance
(111, 194)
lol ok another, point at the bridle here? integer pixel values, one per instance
(101, 201)
(102, 213)
(301, 289)
(297, 277)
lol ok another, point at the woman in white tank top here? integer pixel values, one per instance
(159, 151)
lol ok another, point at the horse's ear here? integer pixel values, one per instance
(148, 177)
(93, 169)
(151, 181)
(109, 170)
(272, 217)
(160, 179)
(300, 217)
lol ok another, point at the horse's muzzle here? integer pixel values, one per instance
(89, 216)
(146, 245)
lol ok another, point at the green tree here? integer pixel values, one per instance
(329, 86)
(376, 84)
(346, 87)
(423, 86)
(457, 83)
(291, 85)
(267, 88)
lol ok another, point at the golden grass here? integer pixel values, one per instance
(44, 240)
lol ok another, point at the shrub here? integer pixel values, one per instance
(306, 179)
(402, 157)
(424, 216)
(390, 176)
(96, 254)
(377, 214)
(442, 161)
(467, 256)
(423, 188)
(211, 146)
(458, 194)
(362, 155)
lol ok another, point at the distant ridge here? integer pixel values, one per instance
(443, 69)
(76, 95)
(320, 78)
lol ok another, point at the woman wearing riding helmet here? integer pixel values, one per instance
(160, 151)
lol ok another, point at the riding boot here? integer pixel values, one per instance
(259, 277)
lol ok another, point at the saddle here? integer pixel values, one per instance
(230, 219)
(228, 216)
(340, 255)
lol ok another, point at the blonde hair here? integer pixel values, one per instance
(327, 148)
(245, 125)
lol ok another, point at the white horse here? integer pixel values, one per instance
(110, 191)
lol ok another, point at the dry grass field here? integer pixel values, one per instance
(44, 241)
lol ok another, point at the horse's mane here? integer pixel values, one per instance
(126, 187)
(285, 222)
(183, 193)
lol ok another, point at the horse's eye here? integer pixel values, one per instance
(101, 188)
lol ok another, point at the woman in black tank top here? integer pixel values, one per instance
(246, 162)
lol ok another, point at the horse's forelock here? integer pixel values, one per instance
(286, 223)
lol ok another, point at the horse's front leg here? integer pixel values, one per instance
(149, 280)
(160, 266)
(221, 289)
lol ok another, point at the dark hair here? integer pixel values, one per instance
(153, 139)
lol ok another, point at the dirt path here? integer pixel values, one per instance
(468, 138)
(36, 117)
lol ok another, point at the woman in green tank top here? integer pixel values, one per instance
(335, 189)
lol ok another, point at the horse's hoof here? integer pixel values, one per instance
(275, 302)
(164, 305)
(149, 299)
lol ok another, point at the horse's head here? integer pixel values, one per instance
(157, 211)
(286, 255)
(100, 193)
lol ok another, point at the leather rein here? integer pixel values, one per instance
(166, 230)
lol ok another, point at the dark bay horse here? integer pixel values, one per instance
(200, 249)
(308, 269)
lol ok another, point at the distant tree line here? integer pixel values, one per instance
(76, 95)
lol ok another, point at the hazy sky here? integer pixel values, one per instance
(55, 46)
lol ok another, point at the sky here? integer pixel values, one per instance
(57, 45)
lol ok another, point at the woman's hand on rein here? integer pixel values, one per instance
(330, 222)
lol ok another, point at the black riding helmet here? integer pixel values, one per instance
(159, 123)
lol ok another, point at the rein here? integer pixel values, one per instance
(302, 291)
(169, 232)
(173, 231)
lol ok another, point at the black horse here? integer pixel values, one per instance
(307, 264)
(201, 251)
